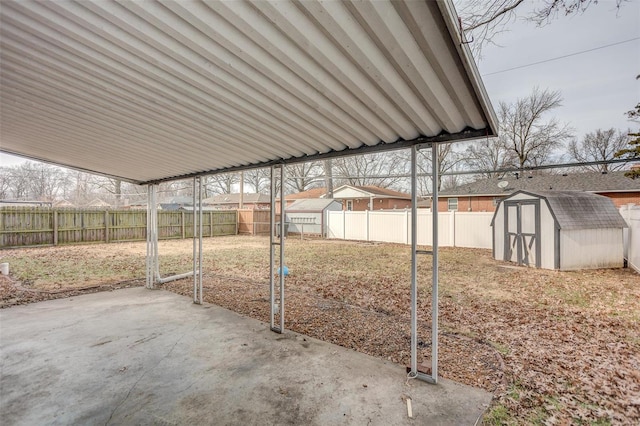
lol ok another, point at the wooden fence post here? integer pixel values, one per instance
(55, 227)
(211, 224)
(106, 226)
(182, 224)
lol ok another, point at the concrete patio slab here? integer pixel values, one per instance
(137, 356)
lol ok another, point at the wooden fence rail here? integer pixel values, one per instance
(33, 226)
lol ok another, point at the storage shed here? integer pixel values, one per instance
(558, 230)
(308, 216)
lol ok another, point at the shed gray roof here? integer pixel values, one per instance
(312, 205)
(581, 210)
(591, 182)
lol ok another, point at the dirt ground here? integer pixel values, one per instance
(553, 347)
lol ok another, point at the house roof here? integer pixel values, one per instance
(249, 198)
(180, 199)
(590, 182)
(580, 210)
(309, 193)
(312, 205)
(374, 191)
(153, 91)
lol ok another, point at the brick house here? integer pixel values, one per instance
(484, 195)
(359, 198)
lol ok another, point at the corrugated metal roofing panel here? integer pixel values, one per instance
(155, 90)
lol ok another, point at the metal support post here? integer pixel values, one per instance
(434, 285)
(282, 232)
(195, 247)
(150, 269)
(200, 255)
(433, 378)
(414, 267)
(276, 308)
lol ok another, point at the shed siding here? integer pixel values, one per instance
(498, 234)
(547, 237)
(591, 248)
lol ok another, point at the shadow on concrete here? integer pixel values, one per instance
(137, 356)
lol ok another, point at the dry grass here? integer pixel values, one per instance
(554, 347)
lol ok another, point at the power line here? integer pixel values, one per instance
(561, 57)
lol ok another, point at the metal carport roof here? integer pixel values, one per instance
(155, 90)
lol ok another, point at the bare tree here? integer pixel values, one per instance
(379, 169)
(524, 131)
(258, 179)
(303, 176)
(449, 160)
(489, 155)
(219, 184)
(484, 19)
(328, 176)
(600, 145)
(34, 181)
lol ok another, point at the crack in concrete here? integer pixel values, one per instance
(142, 376)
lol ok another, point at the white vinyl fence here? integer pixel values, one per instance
(457, 229)
(632, 235)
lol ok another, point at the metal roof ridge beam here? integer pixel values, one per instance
(467, 134)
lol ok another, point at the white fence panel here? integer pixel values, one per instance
(389, 226)
(467, 229)
(335, 224)
(355, 226)
(473, 229)
(425, 234)
(632, 236)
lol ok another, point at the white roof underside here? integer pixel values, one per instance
(148, 91)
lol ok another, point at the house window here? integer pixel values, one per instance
(496, 201)
(452, 204)
(349, 205)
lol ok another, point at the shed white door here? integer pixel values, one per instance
(522, 232)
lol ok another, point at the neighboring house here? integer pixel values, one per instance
(176, 203)
(15, 203)
(98, 204)
(64, 204)
(232, 201)
(484, 195)
(360, 198)
(305, 195)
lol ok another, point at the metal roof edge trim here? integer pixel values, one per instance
(450, 17)
(466, 134)
(79, 169)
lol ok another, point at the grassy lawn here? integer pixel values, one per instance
(553, 347)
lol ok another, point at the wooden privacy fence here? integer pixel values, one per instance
(22, 227)
(254, 222)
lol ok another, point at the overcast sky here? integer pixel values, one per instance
(597, 87)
